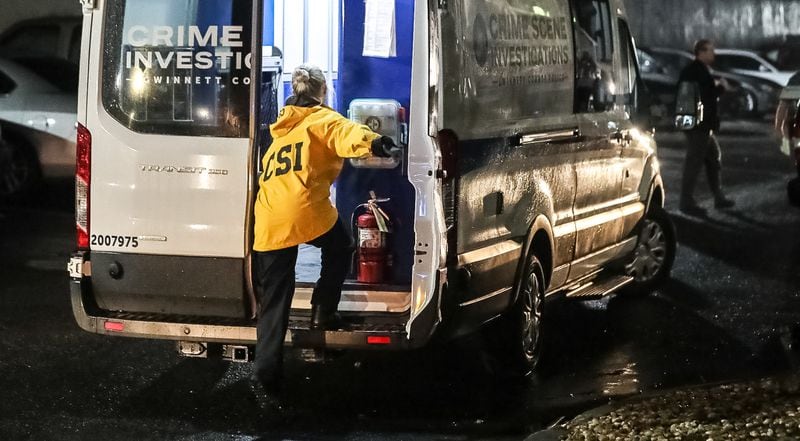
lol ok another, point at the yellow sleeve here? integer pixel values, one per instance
(347, 138)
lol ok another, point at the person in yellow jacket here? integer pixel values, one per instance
(293, 206)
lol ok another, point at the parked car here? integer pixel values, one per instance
(746, 97)
(673, 59)
(661, 82)
(784, 53)
(787, 123)
(38, 105)
(749, 63)
(48, 37)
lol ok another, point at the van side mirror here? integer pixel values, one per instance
(688, 106)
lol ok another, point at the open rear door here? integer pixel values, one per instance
(170, 116)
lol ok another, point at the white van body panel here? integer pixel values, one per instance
(423, 161)
(178, 195)
(161, 190)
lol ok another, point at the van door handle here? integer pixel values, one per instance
(545, 137)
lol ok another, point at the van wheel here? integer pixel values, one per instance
(517, 339)
(651, 262)
(19, 170)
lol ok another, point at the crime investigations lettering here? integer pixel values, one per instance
(506, 62)
(523, 46)
(186, 55)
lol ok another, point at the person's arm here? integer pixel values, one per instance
(346, 138)
(352, 140)
(721, 86)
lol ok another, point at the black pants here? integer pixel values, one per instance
(274, 279)
(703, 151)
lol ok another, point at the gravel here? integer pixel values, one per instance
(767, 409)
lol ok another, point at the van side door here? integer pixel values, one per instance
(598, 166)
(507, 90)
(636, 144)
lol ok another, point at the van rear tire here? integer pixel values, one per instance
(516, 337)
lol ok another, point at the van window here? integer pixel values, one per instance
(626, 88)
(178, 68)
(594, 55)
(506, 64)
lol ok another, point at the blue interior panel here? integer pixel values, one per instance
(268, 34)
(370, 77)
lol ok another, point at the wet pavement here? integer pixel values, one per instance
(735, 289)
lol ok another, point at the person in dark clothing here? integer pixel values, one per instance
(703, 146)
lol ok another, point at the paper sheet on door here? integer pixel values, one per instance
(380, 33)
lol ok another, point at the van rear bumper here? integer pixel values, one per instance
(390, 335)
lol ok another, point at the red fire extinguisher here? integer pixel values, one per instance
(373, 252)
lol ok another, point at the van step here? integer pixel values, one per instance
(599, 287)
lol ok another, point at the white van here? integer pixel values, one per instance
(525, 174)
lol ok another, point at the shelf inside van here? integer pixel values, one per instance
(356, 297)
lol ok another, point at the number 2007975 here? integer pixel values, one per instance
(106, 240)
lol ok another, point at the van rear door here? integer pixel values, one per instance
(168, 112)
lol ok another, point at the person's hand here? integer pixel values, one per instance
(385, 147)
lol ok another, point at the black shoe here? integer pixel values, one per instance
(268, 397)
(322, 318)
(723, 202)
(693, 210)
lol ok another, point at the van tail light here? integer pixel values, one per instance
(114, 326)
(379, 340)
(83, 167)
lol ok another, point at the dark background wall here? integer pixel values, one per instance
(731, 23)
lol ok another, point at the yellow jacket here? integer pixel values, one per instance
(293, 204)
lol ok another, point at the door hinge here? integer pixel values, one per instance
(88, 5)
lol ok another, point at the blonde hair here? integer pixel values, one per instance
(308, 81)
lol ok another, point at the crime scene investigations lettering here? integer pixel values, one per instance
(185, 52)
(536, 46)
